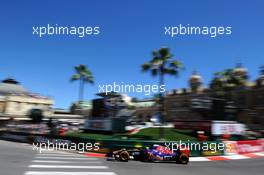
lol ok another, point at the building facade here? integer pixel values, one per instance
(15, 100)
(247, 101)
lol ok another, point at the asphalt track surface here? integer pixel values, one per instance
(20, 159)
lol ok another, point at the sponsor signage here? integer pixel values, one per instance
(249, 146)
(228, 128)
(244, 146)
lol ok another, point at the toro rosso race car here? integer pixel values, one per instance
(153, 154)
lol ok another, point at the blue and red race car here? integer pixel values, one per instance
(153, 154)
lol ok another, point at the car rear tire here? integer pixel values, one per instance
(183, 159)
(124, 156)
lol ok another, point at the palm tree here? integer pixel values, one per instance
(84, 75)
(162, 64)
(226, 81)
(222, 85)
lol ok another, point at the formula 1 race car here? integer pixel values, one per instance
(153, 154)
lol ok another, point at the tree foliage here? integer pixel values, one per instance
(84, 75)
(227, 80)
(162, 63)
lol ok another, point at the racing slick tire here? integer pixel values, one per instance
(182, 159)
(123, 156)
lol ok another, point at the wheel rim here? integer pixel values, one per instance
(123, 156)
(184, 159)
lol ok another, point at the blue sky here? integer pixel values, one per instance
(130, 30)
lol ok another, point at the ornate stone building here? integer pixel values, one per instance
(15, 100)
(179, 103)
(195, 102)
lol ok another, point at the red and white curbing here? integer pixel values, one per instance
(209, 158)
(230, 157)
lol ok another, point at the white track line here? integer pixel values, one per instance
(60, 155)
(55, 152)
(68, 166)
(67, 158)
(198, 159)
(62, 162)
(67, 173)
(235, 157)
(259, 154)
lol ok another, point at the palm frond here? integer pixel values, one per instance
(176, 64)
(162, 63)
(170, 71)
(146, 66)
(89, 79)
(75, 77)
(82, 72)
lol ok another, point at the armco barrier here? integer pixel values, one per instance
(114, 144)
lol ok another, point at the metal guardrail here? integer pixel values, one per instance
(111, 144)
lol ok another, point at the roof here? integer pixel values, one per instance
(11, 86)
